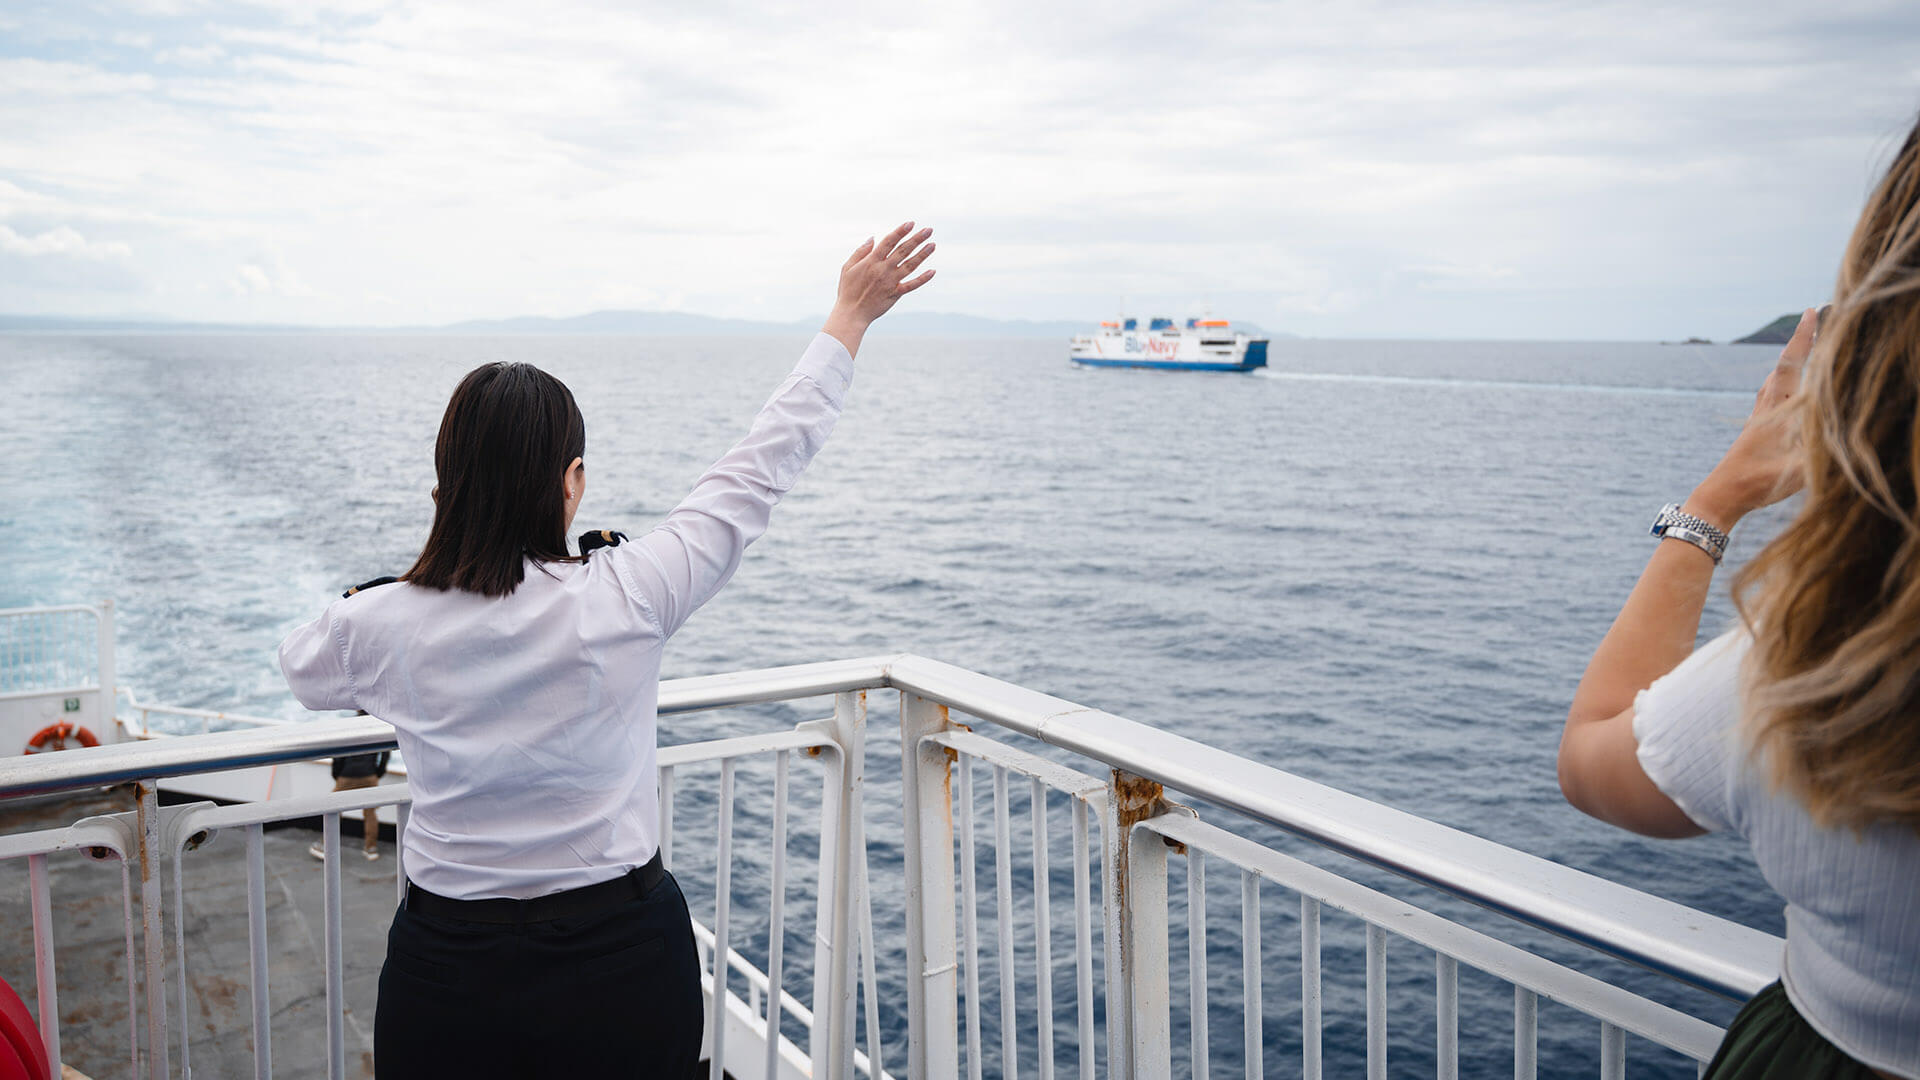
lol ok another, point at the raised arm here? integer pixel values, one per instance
(680, 565)
(1600, 772)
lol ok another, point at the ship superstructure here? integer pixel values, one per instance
(1200, 345)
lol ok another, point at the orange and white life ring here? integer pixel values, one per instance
(61, 736)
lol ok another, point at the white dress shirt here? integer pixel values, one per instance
(1852, 963)
(528, 721)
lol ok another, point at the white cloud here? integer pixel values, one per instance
(61, 242)
(420, 162)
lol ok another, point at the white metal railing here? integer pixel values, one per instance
(942, 954)
(53, 649)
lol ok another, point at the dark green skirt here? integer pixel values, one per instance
(1770, 1040)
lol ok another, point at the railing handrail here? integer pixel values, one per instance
(1679, 941)
(1692, 946)
(51, 609)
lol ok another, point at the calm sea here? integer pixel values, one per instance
(1380, 565)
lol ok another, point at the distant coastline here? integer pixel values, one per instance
(636, 323)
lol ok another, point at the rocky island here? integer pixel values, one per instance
(1777, 332)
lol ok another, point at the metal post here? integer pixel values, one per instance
(1042, 931)
(1083, 938)
(932, 987)
(105, 669)
(1003, 924)
(1197, 961)
(1250, 973)
(970, 918)
(1446, 993)
(666, 818)
(1376, 1003)
(1613, 1052)
(401, 811)
(45, 987)
(776, 914)
(335, 960)
(1130, 799)
(1146, 949)
(152, 926)
(722, 932)
(1526, 1034)
(831, 1045)
(257, 951)
(1309, 988)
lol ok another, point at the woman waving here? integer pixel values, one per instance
(540, 934)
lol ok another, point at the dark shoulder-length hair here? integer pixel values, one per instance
(509, 434)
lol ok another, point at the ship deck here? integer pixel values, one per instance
(89, 924)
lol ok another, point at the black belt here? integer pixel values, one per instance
(572, 904)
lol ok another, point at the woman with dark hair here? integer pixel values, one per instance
(540, 935)
(1799, 729)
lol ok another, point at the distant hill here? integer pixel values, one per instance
(639, 323)
(899, 323)
(1777, 332)
(613, 322)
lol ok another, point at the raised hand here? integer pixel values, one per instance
(1763, 465)
(875, 276)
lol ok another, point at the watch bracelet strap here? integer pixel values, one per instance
(1698, 539)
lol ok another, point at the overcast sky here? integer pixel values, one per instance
(1518, 169)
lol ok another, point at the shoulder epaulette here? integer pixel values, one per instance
(600, 538)
(368, 585)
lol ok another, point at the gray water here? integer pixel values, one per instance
(1378, 565)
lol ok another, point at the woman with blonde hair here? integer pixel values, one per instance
(1799, 729)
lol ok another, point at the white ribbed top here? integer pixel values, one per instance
(1852, 965)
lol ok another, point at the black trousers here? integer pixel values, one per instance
(616, 994)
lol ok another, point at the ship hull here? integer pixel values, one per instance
(1249, 357)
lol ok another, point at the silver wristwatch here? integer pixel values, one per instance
(1675, 524)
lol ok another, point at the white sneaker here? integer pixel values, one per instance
(373, 855)
(318, 852)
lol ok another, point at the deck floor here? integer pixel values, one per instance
(90, 944)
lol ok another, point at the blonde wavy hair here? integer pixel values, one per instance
(1833, 679)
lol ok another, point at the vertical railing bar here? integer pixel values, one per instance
(864, 913)
(1376, 1003)
(257, 951)
(776, 914)
(400, 814)
(180, 954)
(1310, 1065)
(722, 911)
(970, 916)
(133, 1012)
(1003, 918)
(1250, 974)
(1526, 1034)
(336, 992)
(666, 817)
(1613, 1052)
(1446, 1016)
(1083, 938)
(1042, 931)
(153, 925)
(46, 986)
(1197, 962)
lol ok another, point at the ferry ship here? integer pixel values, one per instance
(1201, 345)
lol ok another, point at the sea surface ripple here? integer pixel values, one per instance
(1379, 565)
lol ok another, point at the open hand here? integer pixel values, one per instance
(875, 276)
(1763, 465)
